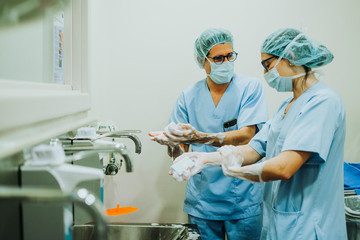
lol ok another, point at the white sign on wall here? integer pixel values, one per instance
(59, 48)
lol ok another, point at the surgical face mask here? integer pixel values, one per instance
(280, 83)
(221, 73)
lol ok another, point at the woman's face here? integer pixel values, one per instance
(283, 66)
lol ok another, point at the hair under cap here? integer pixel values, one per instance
(303, 51)
(209, 38)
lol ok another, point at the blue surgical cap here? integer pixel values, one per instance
(303, 51)
(209, 38)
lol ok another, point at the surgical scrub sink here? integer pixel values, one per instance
(134, 231)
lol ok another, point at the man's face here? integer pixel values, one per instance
(219, 49)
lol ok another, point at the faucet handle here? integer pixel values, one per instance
(112, 167)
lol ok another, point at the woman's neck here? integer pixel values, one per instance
(301, 84)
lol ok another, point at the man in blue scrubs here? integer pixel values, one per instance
(222, 109)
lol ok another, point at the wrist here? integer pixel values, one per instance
(199, 136)
(213, 158)
(204, 138)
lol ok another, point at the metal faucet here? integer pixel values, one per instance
(82, 152)
(122, 134)
(81, 147)
(81, 196)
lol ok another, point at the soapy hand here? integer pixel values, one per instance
(181, 133)
(159, 137)
(173, 134)
(174, 149)
(189, 164)
(232, 160)
(185, 133)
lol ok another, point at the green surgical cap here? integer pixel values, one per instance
(303, 51)
(209, 38)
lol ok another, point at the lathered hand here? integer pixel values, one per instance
(189, 164)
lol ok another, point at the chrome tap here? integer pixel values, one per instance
(81, 196)
(122, 134)
(86, 150)
(88, 144)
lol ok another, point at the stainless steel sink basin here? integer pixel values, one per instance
(134, 232)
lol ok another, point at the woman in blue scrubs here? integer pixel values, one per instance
(224, 108)
(302, 145)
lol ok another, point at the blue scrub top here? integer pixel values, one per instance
(310, 205)
(210, 194)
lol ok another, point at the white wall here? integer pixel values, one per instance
(141, 58)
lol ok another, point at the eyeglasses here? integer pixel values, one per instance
(263, 63)
(221, 58)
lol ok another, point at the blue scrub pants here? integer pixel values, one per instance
(246, 228)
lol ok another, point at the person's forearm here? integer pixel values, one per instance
(235, 137)
(281, 167)
(239, 137)
(249, 154)
(284, 166)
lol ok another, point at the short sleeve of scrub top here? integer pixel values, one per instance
(254, 109)
(179, 113)
(258, 143)
(314, 128)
